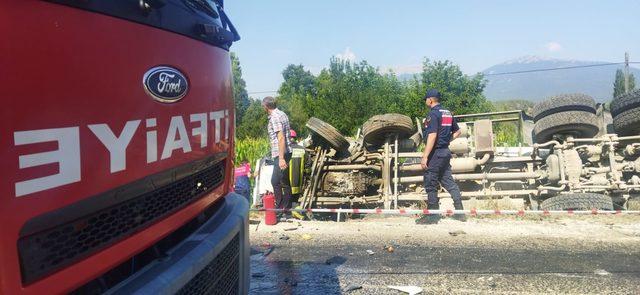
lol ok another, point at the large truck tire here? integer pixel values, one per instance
(582, 201)
(625, 110)
(378, 127)
(580, 124)
(564, 103)
(329, 133)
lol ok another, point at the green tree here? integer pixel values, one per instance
(350, 93)
(254, 122)
(346, 94)
(462, 94)
(295, 95)
(618, 84)
(240, 95)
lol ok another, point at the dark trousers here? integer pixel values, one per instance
(243, 187)
(281, 184)
(439, 172)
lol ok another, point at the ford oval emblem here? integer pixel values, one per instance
(165, 84)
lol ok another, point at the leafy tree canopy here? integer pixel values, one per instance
(618, 84)
(346, 94)
(240, 95)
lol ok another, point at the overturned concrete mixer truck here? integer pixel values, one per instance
(574, 154)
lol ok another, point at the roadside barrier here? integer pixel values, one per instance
(471, 212)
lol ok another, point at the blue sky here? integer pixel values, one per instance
(399, 34)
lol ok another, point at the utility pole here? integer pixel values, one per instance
(626, 72)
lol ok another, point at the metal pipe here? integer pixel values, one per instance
(351, 167)
(484, 159)
(316, 180)
(478, 176)
(512, 119)
(548, 143)
(410, 155)
(595, 187)
(386, 175)
(487, 114)
(634, 137)
(467, 195)
(418, 167)
(525, 159)
(395, 168)
(306, 194)
(598, 169)
(552, 188)
(573, 140)
(612, 161)
(563, 178)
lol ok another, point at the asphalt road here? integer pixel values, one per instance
(506, 256)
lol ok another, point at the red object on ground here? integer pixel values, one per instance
(269, 202)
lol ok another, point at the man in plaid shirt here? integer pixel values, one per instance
(280, 139)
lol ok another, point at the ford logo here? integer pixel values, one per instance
(165, 84)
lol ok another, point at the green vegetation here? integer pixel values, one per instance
(251, 149)
(511, 105)
(506, 133)
(618, 84)
(346, 94)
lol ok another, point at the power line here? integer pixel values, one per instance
(557, 69)
(521, 72)
(258, 92)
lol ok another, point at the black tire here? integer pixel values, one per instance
(627, 123)
(625, 110)
(564, 103)
(582, 201)
(577, 123)
(378, 127)
(625, 102)
(330, 134)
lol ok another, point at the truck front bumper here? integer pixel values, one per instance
(212, 260)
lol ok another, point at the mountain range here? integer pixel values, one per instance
(596, 81)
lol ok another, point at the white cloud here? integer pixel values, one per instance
(553, 46)
(347, 55)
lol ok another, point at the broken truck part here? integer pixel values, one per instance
(575, 159)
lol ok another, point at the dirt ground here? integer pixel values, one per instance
(498, 255)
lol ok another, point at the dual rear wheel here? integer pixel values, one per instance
(567, 114)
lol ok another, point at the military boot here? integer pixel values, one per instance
(430, 218)
(459, 216)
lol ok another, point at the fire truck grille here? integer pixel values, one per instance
(47, 251)
(221, 276)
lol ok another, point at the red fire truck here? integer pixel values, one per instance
(116, 145)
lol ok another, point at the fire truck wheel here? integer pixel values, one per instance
(329, 133)
(378, 127)
(564, 103)
(576, 123)
(625, 110)
(582, 201)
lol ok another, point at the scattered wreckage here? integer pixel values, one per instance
(580, 156)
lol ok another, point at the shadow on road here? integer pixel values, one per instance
(271, 275)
